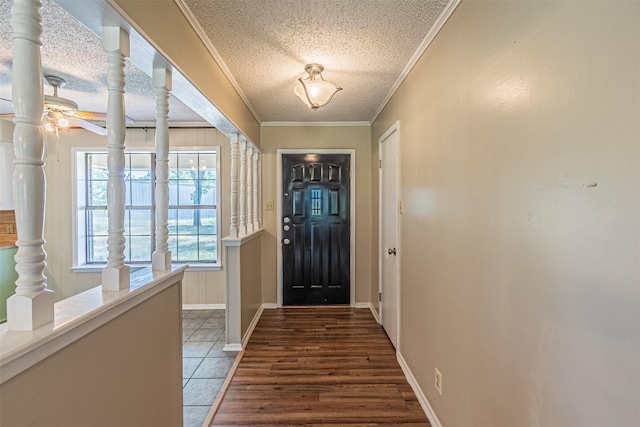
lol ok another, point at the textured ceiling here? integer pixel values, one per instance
(73, 52)
(363, 44)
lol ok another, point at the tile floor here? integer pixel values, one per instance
(204, 365)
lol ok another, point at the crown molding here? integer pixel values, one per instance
(172, 124)
(435, 29)
(301, 124)
(214, 52)
(431, 35)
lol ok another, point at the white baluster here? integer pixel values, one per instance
(256, 190)
(249, 189)
(115, 276)
(32, 305)
(233, 232)
(161, 257)
(243, 188)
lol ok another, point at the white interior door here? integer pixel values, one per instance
(389, 208)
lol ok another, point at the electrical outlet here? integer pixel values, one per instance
(10, 229)
(438, 382)
(269, 205)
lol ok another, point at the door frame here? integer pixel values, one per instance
(395, 128)
(352, 214)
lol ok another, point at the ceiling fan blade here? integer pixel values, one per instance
(88, 126)
(91, 115)
(87, 115)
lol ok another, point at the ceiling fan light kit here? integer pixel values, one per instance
(60, 113)
(315, 91)
(55, 102)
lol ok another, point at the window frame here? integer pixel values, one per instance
(79, 208)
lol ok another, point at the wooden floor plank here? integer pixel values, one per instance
(319, 367)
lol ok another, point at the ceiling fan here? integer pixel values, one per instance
(62, 112)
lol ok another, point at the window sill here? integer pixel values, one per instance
(204, 267)
(97, 268)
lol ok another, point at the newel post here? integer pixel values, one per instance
(243, 188)
(249, 189)
(233, 231)
(256, 189)
(32, 305)
(115, 276)
(161, 257)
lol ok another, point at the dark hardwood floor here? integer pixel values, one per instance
(319, 366)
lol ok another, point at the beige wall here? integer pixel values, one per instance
(199, 287)
(251, 282)
(128, 372)
(317, 137)
(375, 232)
(163, 22)
(6, 131)
(520, 238)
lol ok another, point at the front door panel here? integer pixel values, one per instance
(315, 228)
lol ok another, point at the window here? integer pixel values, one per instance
(316, 201)
(192, 216)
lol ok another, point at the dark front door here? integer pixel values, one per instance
(315, 228)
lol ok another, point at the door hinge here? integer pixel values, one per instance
(379, 296)
(380, 164)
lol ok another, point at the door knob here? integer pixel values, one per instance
(392, 251)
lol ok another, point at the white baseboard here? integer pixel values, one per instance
(371, 308)
(269, 305)
(375, 313)
(252, 325)
(232, 347)
(204, 306)
(424, 403)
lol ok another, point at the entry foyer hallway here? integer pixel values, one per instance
(319, 366)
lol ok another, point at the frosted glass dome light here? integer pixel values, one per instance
(315, 91)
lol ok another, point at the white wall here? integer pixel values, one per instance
(520, 238)
(202, 287)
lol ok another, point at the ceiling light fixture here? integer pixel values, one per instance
(55, 120)
(315, 91)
